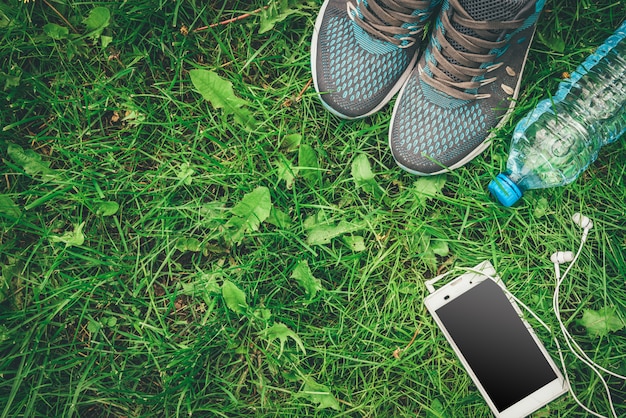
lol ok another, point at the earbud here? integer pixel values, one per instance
(562, 257)
(582, 221)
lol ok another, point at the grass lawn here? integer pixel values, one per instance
(235, 250)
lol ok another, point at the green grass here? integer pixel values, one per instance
(120, 311)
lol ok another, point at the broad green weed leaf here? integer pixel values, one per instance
(76, 46)
(71, 238)
(11, 80)
(428, 187)
(185, 174)
(600, 323)
(107, 208)
(204, 286)
(279, 219)
(291, 142)
(188, 244)
(262, 314)
(303, 275)
(286, 171)
(439, 247)
(541, 208)
(204, 283)
(436, 410)
(31, 162)
(355, 242)
(93, 326)
(308, 163)
(554, 42)
(8, 207)
(234, 297)
(364, 176)
(362, 170)
(318, 394)
(324, 233)
(275, 13)
(213, 212)
(55, 31)
(105, 41)
(318, 218)
(282, 333)
(247, 215)
(97, 20)
(219, 92)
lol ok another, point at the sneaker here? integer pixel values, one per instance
(362, 51)
(464, 85)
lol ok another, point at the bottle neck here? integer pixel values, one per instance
(515, 178)
(505, 190)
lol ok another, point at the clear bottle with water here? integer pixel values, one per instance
(558, 140)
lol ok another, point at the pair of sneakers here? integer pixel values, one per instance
(465, 82)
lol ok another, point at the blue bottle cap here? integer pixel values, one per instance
(505, 190)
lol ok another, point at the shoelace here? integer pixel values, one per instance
(453, 69)
(390, 20)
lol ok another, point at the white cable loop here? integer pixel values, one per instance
(576, 350)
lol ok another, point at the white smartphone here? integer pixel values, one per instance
(508, 363)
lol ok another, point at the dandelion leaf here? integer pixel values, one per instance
(364, 176)
(275, 13)
(55, 31)
(234, 297)
(247, 215)
(31, 162)
(303, 275)
(71, 238)
(8, 207)
(324, 233)
(308, 164)
(97, 20)
(428, 187)
(282, 333)
(599, 323)
(219, 92)
(318, 394)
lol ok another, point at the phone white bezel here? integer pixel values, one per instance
(462, 284)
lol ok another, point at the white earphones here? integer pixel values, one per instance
(569, 257)
(562, 257)
(582, 221)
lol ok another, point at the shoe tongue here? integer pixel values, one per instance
(493, 10)
(490, 10)
(487, 10)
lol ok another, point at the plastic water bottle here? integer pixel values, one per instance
(558, 140)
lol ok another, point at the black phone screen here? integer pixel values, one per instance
(497, 345)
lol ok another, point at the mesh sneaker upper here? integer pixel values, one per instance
(463, 85)
(435, 131)
(493, 9)
(355, 71)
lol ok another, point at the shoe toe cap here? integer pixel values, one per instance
(428, 136)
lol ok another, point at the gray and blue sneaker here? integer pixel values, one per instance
(362, 51)
(464, 85)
